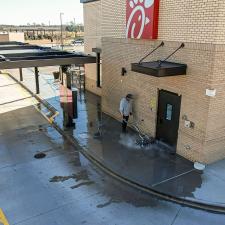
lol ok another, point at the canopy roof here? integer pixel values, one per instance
(22, 55)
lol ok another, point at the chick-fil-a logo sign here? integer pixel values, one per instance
(142, 19)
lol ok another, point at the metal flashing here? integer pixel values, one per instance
(88, 1)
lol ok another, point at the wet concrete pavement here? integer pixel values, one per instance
(152, 167)
(64, 187)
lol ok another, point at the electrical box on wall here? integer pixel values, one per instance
(188, 123)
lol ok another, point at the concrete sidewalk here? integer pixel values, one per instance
(153, 167)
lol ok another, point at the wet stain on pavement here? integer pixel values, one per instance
(40, 129)
(117, 192)
(107, 203)
(61, 178)
(82, 184)
(82, 175)
(32, 142)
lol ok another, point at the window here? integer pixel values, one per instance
(169, 111)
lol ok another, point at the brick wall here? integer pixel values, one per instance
(200, 24)
(204, 111)
(113, 18)
(214, 145)
(199, 21)
(92, 39)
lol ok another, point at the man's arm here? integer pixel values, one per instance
(121, 106)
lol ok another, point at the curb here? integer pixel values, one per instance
(181, 201)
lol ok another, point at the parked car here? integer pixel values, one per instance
(79, 41)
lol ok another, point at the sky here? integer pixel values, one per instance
(21, 12)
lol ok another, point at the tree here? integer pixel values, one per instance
(71, 27)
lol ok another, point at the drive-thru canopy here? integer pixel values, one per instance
(22, 55)
(17, 55)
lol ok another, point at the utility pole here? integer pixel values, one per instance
(75, 33)
(61, 30)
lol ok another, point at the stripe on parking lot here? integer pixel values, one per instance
(3, 219)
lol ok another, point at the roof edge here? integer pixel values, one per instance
(88, 1)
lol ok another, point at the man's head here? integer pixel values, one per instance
(129, 97)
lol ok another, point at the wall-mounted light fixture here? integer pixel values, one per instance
(123, 71)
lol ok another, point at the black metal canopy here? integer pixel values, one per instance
(160, 68)
(22, 55)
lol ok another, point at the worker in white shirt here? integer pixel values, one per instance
(126, 110)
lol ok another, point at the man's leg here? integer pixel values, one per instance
(124, 123)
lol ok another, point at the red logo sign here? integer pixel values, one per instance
(142, 19)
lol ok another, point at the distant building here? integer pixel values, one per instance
(11, 36)
(180, 101)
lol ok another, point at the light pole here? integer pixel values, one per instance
(61, 30)
(74, 21)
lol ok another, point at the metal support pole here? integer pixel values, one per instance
(21, 74)
(37, 80)
(61, 74)
(74, 97)
(61, 26)
(98, 69)
(74, 21)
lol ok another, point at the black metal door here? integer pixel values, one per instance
(168, 117)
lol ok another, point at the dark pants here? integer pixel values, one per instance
(124, 123)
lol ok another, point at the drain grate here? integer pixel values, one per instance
(39, 155)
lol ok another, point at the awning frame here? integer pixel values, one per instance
(11, 57)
